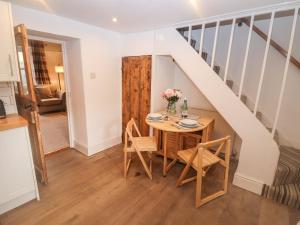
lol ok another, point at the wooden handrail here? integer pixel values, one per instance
(274, 44)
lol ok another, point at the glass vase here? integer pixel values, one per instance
(171, 109)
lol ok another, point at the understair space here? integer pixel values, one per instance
(257, 143)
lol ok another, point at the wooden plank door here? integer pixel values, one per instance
(136, 91)
(26, 102)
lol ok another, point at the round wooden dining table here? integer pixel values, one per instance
(170, 125)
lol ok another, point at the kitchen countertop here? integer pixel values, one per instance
(12, 121)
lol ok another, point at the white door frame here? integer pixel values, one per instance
(66, 81)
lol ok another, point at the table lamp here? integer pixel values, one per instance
(58, 70)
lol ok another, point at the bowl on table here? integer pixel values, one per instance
(154, 116)
(188, 123)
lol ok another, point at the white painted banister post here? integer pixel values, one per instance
(215, 45)
(286, 68)
(262, 73)
(189, 34)
(202, 40)
(246, 57)
(229, 49)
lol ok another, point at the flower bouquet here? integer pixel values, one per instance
(172, 96)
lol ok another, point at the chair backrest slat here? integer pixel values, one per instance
(214, 142)
(131, 125)
(220, 143)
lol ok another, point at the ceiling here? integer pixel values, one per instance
(140, 15)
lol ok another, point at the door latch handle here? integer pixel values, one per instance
(28, 106)
(32, 115)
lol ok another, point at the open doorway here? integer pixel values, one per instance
(48, 73)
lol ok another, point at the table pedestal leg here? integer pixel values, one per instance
(166, 166)
(165, 153)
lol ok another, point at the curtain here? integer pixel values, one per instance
(39, 62)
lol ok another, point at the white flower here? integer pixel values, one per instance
(169, 93)
(179, 93)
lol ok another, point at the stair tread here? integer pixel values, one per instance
(288, 194)
(288, 169)
(286, 186)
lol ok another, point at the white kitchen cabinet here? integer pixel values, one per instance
(17, 176)
(8, 56)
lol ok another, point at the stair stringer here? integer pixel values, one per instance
(259, 153)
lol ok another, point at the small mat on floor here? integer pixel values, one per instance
(54, 129)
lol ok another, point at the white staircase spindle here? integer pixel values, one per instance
(246, 57)
(264, 64)
(190, 34)
(215, 45)
(202, 40)
(229, 49)
(288, 57)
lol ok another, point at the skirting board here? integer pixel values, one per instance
(17, 202)
(89, 151)
(104, 145)
(247, 183)
(81, 148)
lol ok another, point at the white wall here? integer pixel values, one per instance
(136, 44)
(195, 98)
(100, 55)
(162, 78)
(7, 96)
(76, 92)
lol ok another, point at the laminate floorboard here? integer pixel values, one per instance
(92, 191)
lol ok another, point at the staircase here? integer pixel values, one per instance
(257, 164)
(286, 185)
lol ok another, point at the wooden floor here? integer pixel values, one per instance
(93, 192)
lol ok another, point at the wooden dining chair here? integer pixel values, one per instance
(201, 158)
(138, 145)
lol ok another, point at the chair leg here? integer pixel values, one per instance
(201, 201)
(198, 188)
(125, 164)
(226, 178)
(144, 165)
(183, 174)
(150, 162)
